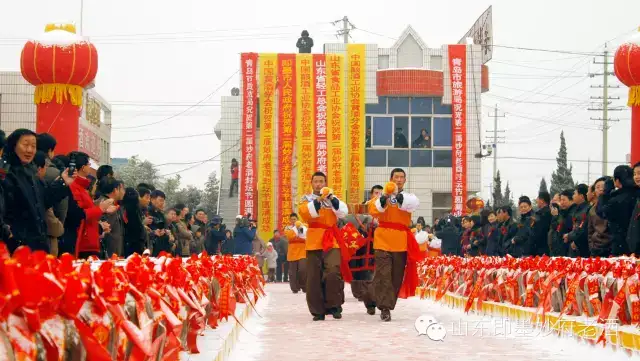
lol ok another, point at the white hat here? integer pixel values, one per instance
(269, 244)
(238, 217)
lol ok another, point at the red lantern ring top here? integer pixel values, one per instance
(60, 64)
(626, 65)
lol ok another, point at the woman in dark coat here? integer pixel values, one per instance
(26, 196)
(134, 232)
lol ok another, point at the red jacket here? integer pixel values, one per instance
(89, 231)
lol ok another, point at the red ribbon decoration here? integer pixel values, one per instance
(331, 233)
(414, 255)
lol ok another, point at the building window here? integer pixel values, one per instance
(382, 131)
(441, 200)
(436, 62)
(380, 108)
(375, 158)
(420, 132)
(442, 132)
(416, 124)
(401, 132)
(442, 158)
(398, 158)
(398, 105)
(441, 203)
(367, 134)
(421, 158)
(421, 106)
(439, 108)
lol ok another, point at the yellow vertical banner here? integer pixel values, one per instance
(267, 65)
(305, 129)
(355, 124)
(336, 156)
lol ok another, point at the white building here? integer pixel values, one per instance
(407, 90)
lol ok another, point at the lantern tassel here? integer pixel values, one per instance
(45, 93)
(634, 96)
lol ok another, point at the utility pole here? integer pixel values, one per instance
(347, 26)
(494, 140)
(606, 101)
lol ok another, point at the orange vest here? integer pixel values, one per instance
(297, 245)
(325, 216)
(386, 239)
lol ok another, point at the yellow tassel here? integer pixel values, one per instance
(45, 93)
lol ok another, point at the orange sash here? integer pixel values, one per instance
(410, 282)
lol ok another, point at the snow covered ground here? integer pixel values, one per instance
(283, 331)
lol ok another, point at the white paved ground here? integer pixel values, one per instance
(285, 332)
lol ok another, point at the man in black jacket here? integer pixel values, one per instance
(616, 205)
(578, 238)
(160, 236)
(520, 244)
(562, 224)
(508, 229)
(541, 222)
(449, 234)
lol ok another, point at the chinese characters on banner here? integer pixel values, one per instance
(305, 127)
(266, 185)
(89, 142)
(286, 132)
(249, 63)
(335, 124)
(458, 73)
(320, 95)
(355, 125)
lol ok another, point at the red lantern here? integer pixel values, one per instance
(627, 68)
(61, 65)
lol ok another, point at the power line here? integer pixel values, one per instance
(543, 50)
(143, 104)
(203, 162)
(185, 110)
(530, 67)
(554, 159)
(534, 102)
(187, 32)
(165, 138)
(534, 92)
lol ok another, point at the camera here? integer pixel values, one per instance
(72, 164)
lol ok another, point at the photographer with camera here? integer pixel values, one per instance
(215, 235)
(160, 236)
(244, 233)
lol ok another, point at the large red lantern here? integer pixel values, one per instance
(61, 64)
(627, 68)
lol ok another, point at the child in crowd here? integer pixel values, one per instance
(271, 257)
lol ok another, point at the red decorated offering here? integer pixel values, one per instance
(603, 290)
(136, 309)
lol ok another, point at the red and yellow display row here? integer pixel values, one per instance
(311, 106)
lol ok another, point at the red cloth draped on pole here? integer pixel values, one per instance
(414, 255)
(331, 233)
